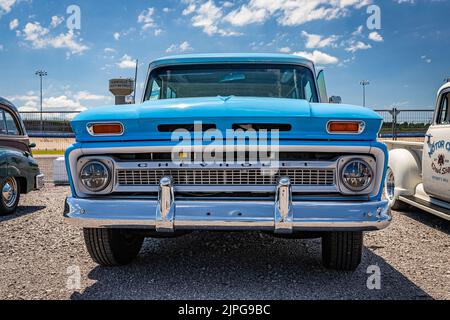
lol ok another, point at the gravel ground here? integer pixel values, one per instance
(38, 253)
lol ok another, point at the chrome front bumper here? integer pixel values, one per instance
(281, 216)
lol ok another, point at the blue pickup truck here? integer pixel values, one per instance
(228, 142)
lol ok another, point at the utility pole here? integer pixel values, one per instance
(364, 83)
(41, 74)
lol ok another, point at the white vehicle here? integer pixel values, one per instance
(419, 173)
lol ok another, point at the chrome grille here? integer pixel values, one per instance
(299, 177)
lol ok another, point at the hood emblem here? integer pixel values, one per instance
(225, 99)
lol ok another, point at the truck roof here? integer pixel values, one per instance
(445, 86)
(8, 104)
(231, 58)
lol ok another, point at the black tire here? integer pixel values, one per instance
(112, 247)
(9, 207)
(342, 251)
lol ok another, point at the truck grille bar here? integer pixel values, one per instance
(245, 177)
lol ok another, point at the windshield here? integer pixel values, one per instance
(244, 80)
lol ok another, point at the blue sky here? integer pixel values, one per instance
(406, 60)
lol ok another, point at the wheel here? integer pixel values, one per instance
(342, 251)
(390, 192)
(10, 196)
(112, 247)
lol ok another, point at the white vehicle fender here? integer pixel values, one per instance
(406, 167)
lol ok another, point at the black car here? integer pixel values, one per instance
(19, 171)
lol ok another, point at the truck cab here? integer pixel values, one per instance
(419, 173)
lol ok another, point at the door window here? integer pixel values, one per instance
(3, 130)
(8, 125)
(444, 110)
(322, 87)
(156, 91)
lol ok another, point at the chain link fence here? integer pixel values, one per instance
(52, 133)
(408, 125)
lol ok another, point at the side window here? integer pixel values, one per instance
(308, 92)
(444, 110)
(156, 91)
(322, 87)
(171, 94)
(11, 125)
(2, 123)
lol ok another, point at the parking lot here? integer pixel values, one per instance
(39, 253)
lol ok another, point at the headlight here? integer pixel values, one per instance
(95, 176)
(357, 175)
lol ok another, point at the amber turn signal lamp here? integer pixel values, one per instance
(105, 129)
(343, 127)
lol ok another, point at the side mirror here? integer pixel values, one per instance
(32, 145)
(336, 99)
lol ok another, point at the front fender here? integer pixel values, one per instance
(406, 167)
(21, 166)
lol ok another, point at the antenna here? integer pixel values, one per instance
(135, 80)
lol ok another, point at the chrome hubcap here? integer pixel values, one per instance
(9, 192)
(390, 185)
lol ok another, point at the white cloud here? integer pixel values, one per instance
(318, 57)
(426, 59)
(6, 6)
(208, 17)
(217, 19)
(78, 101)
(116, 36)
(182, 47)
(355, 46)
(126, 62)
(314, 41)
(14, 24)
(285, 50)
(63, 103)
(358, 31)
(185, 46)
(246, 15)
(39, 37)
(56, 21)
(109, 50)
(146, 19)
(88, 96)
(292, 12)
(189, 9)
(375, 36)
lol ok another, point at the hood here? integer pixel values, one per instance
(299, 119)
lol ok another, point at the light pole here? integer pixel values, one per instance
(41, 74)
(364, 83)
